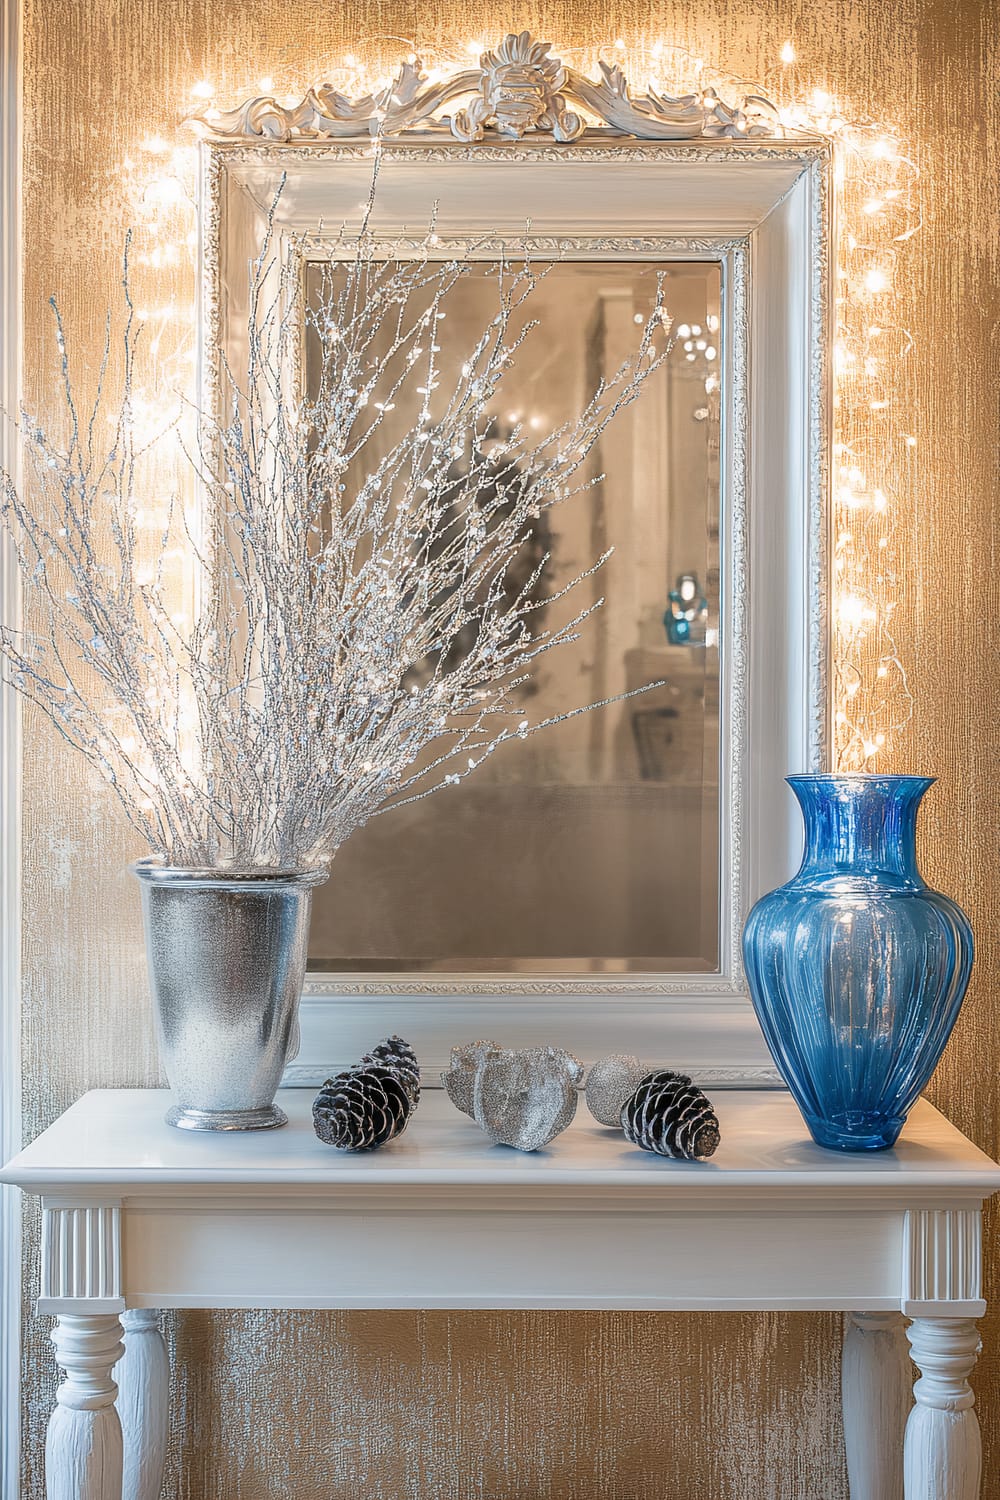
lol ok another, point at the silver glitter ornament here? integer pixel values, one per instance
(520, 1098)
(460, 1080)
(525, 1099)
(610, 1083)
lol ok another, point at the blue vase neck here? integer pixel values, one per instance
(861, 828)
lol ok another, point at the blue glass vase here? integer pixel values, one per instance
(857, 969)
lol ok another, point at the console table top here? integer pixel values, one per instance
(117, 1138)
(137, 1216)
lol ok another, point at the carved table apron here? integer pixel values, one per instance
(138, 1217)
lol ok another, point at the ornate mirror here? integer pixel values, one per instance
(586, 888)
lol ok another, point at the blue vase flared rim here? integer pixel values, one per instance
(868, 778)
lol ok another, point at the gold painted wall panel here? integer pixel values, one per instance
(454, 1406)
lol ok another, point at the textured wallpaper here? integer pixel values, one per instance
(442, 1406)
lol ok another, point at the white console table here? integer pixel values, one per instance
(138, 1217)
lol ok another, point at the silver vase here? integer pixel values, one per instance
(227, 958)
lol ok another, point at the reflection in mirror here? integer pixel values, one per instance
(593, 847)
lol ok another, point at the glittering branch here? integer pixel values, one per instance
(367, 617)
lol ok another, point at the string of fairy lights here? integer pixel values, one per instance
(877, 215)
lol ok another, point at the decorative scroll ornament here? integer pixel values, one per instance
(517, 89)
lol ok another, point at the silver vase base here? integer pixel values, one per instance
(184, 1117)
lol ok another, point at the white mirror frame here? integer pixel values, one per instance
(760, 207)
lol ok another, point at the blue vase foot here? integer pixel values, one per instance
(861, 1135)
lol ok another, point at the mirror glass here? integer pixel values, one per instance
(593, 846)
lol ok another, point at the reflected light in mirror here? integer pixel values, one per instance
(600, 835)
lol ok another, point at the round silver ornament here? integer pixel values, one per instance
(610, 1083)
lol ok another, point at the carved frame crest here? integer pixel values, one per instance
(518, 89)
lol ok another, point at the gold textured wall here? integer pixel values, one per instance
(406, 1405)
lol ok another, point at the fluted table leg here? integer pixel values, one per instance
(943, 1454)
(143, 1376)
(83, 1449)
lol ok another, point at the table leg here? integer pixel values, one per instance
(875, 1381)
(942, 1454)
(83, 1449)
(143, 1376)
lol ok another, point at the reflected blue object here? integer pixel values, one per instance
(857, 969)
(686, 615)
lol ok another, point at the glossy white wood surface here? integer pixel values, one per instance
(117, 1138)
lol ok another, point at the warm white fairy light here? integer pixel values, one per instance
(878, 214)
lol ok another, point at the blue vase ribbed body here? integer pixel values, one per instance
(856, 968)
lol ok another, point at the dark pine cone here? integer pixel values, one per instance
(362, 1108)
(668, 1114)
(399, 1057)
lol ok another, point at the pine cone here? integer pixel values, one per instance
(362, 1108)
(399, 1057)
(668, 1114)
